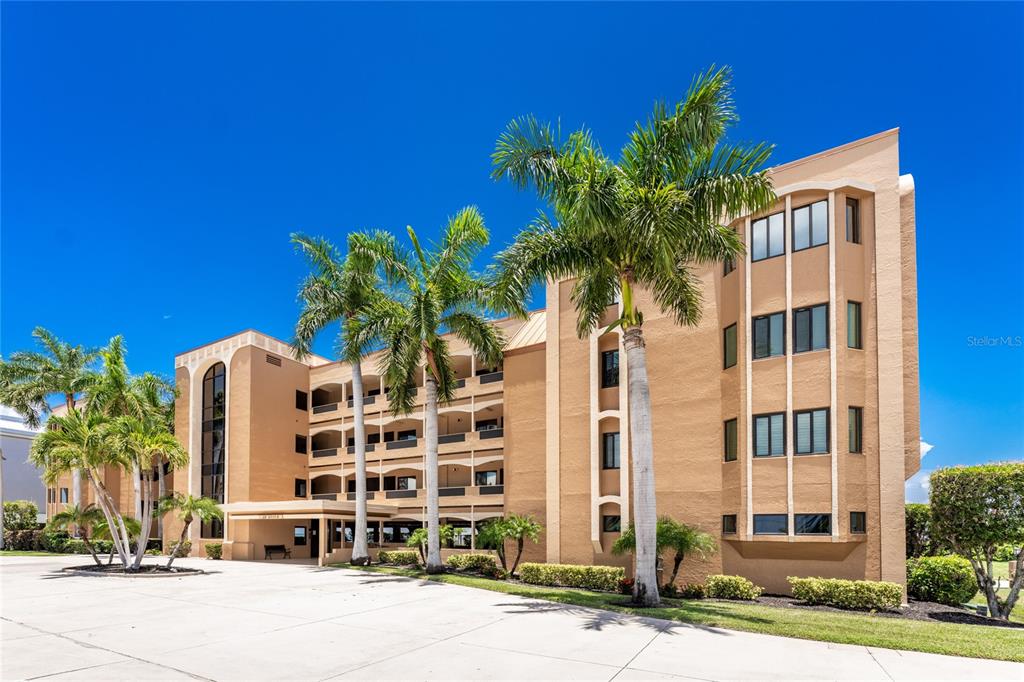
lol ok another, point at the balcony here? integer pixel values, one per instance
(351, 449)
(492, 489)
(326, 452)
(400, 494)
(352, 496)
(367, 400)
(325, 496)
(487, 434)
(402, 444)
(322, 409)
(451, 438)
(491, 377)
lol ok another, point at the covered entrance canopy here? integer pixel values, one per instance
(300, 528)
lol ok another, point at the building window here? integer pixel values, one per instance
(51, 496)
(812, 524)
(728, 266)
(301, 400)
(771, 524)
(852, 220)
(611, 524)
(769, 335)
(858, 522)
(769, 435)
(299, 535)
(63, 495)
(486, 477)
(301, 445)
(729, 346)
(769, 237)
(810, 429)
(609, 369)
(610, 450)
(810, 225)
(729, 524)
(409, 482)
(730, 440)
(856, 427)
(213, 452)
(300, 487)
(810, 328)
(853, 339)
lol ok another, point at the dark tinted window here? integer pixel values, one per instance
(810, 431)
(856, 428)
(769, 335)
(769, 435)
(852, 220)
(729, 346)
(610, 450)
(858, 522)
(609, 368)
(770, 524)
(729, 524)
(812, 524)
(853, 334)
(299, 536)
(301, 400)
(768, 236)
(300, 444)
(212, 446)
(730, 440)
(611, 524)
(810, 328)
(300, 487)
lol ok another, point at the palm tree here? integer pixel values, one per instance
(434, 293)
(419, 539)
(28, 378)
(83, 440)
(641, 223)
(189, 508)
(338, 291)
(515, 527)
(101, 531)
(674, 536)
(84, 519)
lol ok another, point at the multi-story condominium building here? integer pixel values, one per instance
(785, 423)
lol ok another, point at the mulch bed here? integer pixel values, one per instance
(915, 610)
(145, 571)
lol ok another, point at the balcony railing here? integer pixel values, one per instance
(492, 490)
(330, 407)
(367, 400)
(351, 449)
(451, 438)
(395, 494)
(326, 452)
(451, 492)
(352, 496)
(491, 433)
(460, 383)
(404, 443)
(491, 377)
(325, 496)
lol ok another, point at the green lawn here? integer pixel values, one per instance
(1002, 570)
(11, 552)
(976, 641)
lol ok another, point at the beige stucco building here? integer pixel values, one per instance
(785, 423)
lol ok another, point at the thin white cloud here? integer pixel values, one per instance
(925, 448)
(167, 317)
(917, 486)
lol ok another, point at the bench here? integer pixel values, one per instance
(270, 550)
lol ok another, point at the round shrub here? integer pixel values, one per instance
(865, 595)
(731, 587)
(471, 562)
(693, 591)
(214, 550)
(943, 579)
(398, 557)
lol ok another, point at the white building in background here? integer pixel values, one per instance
(21, 479)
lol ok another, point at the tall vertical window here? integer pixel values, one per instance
(852, 220)
(769, 435)
(858, 522)
(214, 411)
(728, 524)
(730, 441)
(856, 417)
(769, 335)
(301, 400)
(810, 328)
(768, 236)
(63, 495)
(853, 339)
(610, 450)
(729, 346)
(609, 369)
(301, 444)
(810, 225)
(300, 487)
(811, 432)
(728, 265)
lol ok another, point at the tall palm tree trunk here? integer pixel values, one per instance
(118, 533)
(645, 512)
(433, 514)
(147, 520)
(161, 494)
(137, 489)
(185, 523)
(76, 474)
(360, 551)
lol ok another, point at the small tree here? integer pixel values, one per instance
(492, 536)
(672, 536)
(20, 515)
(84, 519)
(188, 509)
(420, 537)
(977, 509)
(101, 531)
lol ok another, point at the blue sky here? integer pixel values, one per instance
(156, 156)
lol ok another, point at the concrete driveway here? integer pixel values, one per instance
(274, 621)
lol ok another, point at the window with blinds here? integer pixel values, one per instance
(729, 346)
(853, 339)
(810, 328)
(769, 435)
(731, 442)
(810, 431)
(769, 335)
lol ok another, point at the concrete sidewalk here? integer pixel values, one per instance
(270, 621)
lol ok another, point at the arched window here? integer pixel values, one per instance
(214, 409)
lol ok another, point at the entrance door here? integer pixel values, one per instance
(314, 539)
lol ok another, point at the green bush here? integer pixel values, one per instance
(398, 557)
(214, 550)
(494, 571)
(603, 578)
(152, 552)
(20, 515)
(693, 591)
(183, 550)
(848, 594)
(471, 562)
(1007, 552)
(24, 540)
(731, 587)
(56, 541)
(943, 579)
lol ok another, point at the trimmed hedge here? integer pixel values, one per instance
(731, 587)
(214, 550)
(693, 591)
(848, 594)
(602, 578)
(398, 557)
(472, 562)
(943, 579)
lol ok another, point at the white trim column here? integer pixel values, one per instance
(748, 374)
(832, 360)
